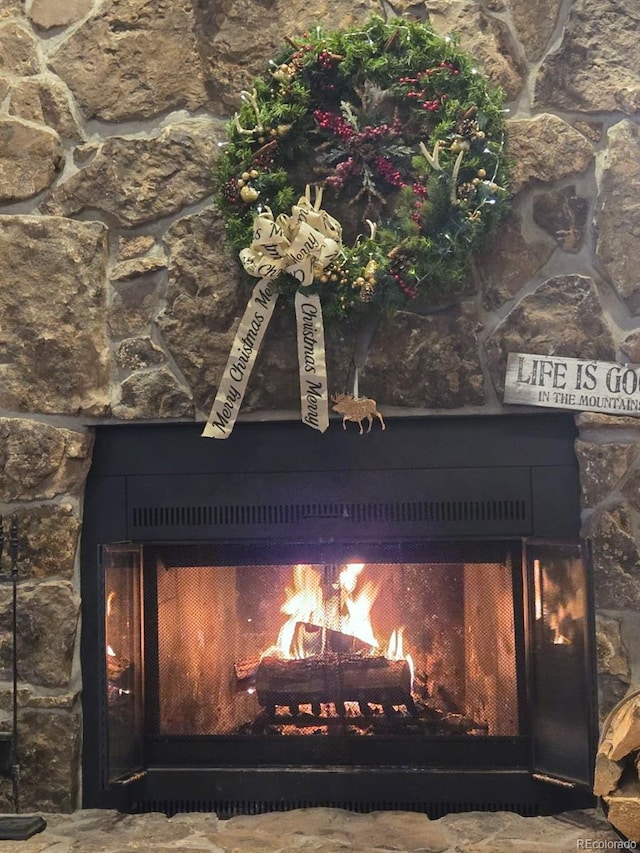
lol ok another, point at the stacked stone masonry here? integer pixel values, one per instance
(119, 301)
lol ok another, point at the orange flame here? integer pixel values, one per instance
(395, 649)
(345, 607)
(304, 603)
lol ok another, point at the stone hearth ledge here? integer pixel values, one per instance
(322, 830)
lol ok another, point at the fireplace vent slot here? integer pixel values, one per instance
(463, 511)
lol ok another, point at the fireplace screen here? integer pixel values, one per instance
(401, 626)
(358, 647)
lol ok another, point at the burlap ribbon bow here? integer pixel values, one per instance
(303, 244)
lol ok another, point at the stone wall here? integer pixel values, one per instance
(119, 301)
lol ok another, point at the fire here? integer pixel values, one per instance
(556, 621)
(395, 649)
(349, 576)
(109, 610)
(559, 601)
(318, 602)
(303, 604)
(110, 599)
(357, 622)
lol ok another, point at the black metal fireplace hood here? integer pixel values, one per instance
(450, 478)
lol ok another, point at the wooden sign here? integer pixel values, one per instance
(572, 383)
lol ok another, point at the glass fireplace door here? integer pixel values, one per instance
(124, 660)
(561, 680)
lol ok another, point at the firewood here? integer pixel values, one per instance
(607, 775)
(310, 638)
(624, 731)
(246, 669)
(333, 678)
(624, 809)
(116, 666)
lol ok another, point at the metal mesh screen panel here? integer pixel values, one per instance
(374, 648)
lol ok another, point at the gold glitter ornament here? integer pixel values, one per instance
(369, 283)
(249, 194)
(371, 268)
(284, 73)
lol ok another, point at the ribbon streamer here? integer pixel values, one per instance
(314, 393)
(242, 357)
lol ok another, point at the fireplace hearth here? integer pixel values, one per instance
(282, 619)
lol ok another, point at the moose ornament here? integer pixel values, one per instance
(353, 408)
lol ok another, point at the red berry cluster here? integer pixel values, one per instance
(385, 168)
(264, 157)
(298, 55)
(443, 66)
(431, 106)
(420, 94)
(360, 147)
(342, 171)
(335, 124)
(327, 60)
(420, 191)
(370, 134)
(407, 289)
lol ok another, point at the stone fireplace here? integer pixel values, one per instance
(119, 302)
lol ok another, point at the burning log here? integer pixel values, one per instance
(336, 679)
(245, 672)
(117, 666)
(312, 640)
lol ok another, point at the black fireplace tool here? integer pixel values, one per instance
(13, 827)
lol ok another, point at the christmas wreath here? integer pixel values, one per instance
(403, 139)
(394, 131)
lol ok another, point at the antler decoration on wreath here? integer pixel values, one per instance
(252, 97)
